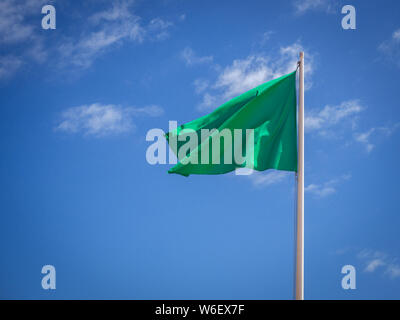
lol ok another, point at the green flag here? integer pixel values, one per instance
(255, 130)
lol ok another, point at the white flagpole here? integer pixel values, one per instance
(300, 188)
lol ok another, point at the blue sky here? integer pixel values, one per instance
(78, 193)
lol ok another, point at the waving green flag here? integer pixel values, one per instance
(255, 130)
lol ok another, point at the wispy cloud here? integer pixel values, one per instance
(324, 119)
(342, 121)
(303, 6)
(391, 48)
(191, 58)
(373, 264)
(266, 36)
(393, 270)
(158, 29)
(377, 260)
(108, 29)
(327, 188)
(264, 179)
(9, 65)
(364, 138)
(101, 32)
(101, 120)
(375, 133)
(16, 29)
(200, 85)
(245, 74)
(320, 190)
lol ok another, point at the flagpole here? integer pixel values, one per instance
(300, 188)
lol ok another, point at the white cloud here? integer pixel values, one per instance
(391, 48)
(37, 52)
(327, 188)
(320, 190)
(200, 85)
(341, 121)
(373, 264)
(119, 11)
(108, 29)
(151, 111)
(268, 178)
(9, 65)
(336, 121)
(329, 116)
(376, 133)
(396, 35)
(245, 74)
(266, 36)
(302, 6)
(14, 27)
(83, 52)
(100, 120)
(378, 260)
(364, 139)
(190, 57)
(393, 270)
(158, 29)
(98, 33)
